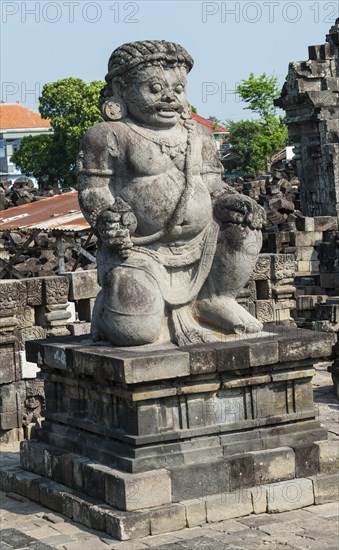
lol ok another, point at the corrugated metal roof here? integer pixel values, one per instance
(61, 212)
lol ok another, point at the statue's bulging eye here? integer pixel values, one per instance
(179, 88)
(155, 88)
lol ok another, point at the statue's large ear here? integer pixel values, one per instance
(113, 107)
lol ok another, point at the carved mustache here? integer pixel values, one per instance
(164, 107)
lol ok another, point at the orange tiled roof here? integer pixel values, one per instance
(208, 123)
(14, 115)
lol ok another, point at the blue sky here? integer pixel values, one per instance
(49, 40)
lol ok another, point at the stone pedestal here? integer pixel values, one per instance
(142, 435)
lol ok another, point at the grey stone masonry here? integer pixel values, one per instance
(311, 101)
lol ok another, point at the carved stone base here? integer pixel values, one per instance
(145, 429)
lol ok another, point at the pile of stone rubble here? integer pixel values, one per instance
(22, 191)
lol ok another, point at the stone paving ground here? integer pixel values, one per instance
(25, 525)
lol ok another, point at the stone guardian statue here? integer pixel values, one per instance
(176, 245)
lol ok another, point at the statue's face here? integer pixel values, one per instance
(156, 96)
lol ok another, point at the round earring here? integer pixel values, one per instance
(113, 109)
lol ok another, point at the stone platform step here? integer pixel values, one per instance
(271, 498)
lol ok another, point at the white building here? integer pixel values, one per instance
(17, 122)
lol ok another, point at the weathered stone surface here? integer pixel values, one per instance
(229, 505)
(273, 465)
(199, 480)
(9, 368)
(310, 344)
(306, 459)
(326, 488)
(328, 456)
(143, 269)
(83, 285)
(290, 495)
(312, 108)
(167, 518)
(55, 290)
(138, 491)
(241, 472)
(195, 512)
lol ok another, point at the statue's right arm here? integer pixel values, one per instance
(96, 172)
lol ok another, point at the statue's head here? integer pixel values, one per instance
(146, 81)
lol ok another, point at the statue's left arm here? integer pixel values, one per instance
(229, 206)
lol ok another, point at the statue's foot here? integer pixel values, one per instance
(226, 314)
(186, 329)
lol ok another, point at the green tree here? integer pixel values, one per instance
(255, 141)
(260, 93)
(71, 105)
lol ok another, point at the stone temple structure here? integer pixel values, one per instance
(311, 100)
(181, 408)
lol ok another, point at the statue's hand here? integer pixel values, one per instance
(239, 209)
(115, 226)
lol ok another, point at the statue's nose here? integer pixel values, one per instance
(168, 97)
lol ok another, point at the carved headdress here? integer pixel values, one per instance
(133, 56)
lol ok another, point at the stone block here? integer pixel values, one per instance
(97, 514)
(83, 285)
(167, 519)
(329, 280)
(282, 266)
(229, 505)
(232, 357)
(307, 254)
(195, 512)
(32, 457)
(240, 469)
(50, 494)
(290, 495)
(137, 491)
(273, 465)
(326, 223)
(308, 238)
(55, 290)
(304, 344)
(9, 368)
(202, 359)
(259, 499)
(79, 328)
(28, 370)
(198, 480)
(306, 459)
(309, 302)
(131, 367)
(328, 456)
(262, 268)
(26, 484)
(305, 224)
(263, 353)
(81, 511)
(326, 488)
(13, 294)
(34, 291)
(128, 525)
(264, 311)
(93, 480)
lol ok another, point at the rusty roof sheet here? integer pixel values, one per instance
(61, 212)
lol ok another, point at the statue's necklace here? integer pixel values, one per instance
(172, 145)
(181, 205)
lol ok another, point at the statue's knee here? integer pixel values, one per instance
(132, 291)
(132, 307)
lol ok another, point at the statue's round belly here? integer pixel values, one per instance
(154, 200)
